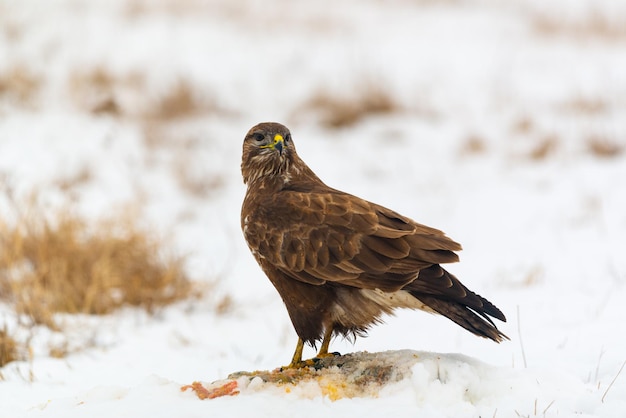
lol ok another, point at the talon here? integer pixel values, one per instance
(321, 356)
(298, 365)
(319, 359)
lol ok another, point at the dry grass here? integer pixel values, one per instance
(19, 85)
(594, 24)
(139, 8)
(225, 305)
(8, 347)
(67, 265)
(473, 145)
(180, 101)
(600, 146)
(70, 182)
(98, 91)
(101, 92)
(338, 111)
(523, 126)
(546, 147)
(586, 105)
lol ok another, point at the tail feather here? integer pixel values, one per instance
(475, 322)
(446, 295)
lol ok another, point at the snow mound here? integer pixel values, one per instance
(352, 375)
(430, 378)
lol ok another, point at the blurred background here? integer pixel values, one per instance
(501, 123)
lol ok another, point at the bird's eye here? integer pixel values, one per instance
(287, 138)
(258, 137)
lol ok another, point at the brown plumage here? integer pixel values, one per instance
(340, 262)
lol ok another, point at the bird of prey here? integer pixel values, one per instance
(338, 261)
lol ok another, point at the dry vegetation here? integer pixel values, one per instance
(178, 102)
(586, 105)
(181, 100)
(337, 110)
(67, 183)
(545, 147)
(600, 146)
(63, 264)
(473, 145)
(99, 91)
(592, 25)
(19, 85)
(69, 266)
(134, 9)
(523, 125)
(8, 347)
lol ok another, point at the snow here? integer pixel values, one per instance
(542, 236)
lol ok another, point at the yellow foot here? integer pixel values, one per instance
(299, 364)
(315, 362)
(320, 361)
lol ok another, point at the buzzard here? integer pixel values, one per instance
(340, 262)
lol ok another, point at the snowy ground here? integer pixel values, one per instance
(507, 132)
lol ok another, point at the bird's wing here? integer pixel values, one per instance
(330, 236)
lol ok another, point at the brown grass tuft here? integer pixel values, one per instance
(225, 305)
(180, 101)
(523, 125)
(68, 265)
(600, 146)
(594, 24)
(98, 91)
(81, 177)
(19, 85)
(337, 111)
(546, 147)
(586, 105)
(8, 347)
(473, 145)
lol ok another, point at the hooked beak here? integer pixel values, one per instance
(279, 143)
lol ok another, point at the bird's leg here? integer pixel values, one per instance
(296, 360)
(328, 333)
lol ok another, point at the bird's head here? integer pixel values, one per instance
(268, 151)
